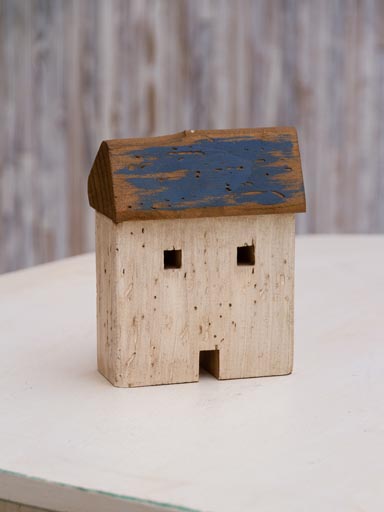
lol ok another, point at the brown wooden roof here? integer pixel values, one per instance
(198, 174)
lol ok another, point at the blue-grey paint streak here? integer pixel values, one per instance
(226, 168)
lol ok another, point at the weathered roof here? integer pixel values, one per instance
(198, 174)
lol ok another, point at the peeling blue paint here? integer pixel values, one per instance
(212, 173)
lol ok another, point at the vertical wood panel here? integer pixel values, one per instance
(50, 129)
(378, 212)
(74, 72)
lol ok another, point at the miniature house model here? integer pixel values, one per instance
(195, 238)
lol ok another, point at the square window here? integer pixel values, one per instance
(172, 259)
(246, 255)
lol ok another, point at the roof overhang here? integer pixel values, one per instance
(199, 173)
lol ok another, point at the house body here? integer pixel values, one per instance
(195, 254)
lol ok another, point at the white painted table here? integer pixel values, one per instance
(310, 441)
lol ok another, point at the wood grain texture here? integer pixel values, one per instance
(154, 321)
(10, 506)
(199, 173)
(75, 72)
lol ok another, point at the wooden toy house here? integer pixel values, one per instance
(195, 239)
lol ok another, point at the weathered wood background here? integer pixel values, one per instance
(74, 72)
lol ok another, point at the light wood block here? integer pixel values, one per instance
(153, 322)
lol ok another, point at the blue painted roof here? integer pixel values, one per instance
(207, 173)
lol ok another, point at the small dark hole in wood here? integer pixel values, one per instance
(267, 173)
(175, 148)
(246, 255)
(260, 160)
(172, 259)
(209, 360)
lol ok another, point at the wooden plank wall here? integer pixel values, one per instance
(74, 72)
